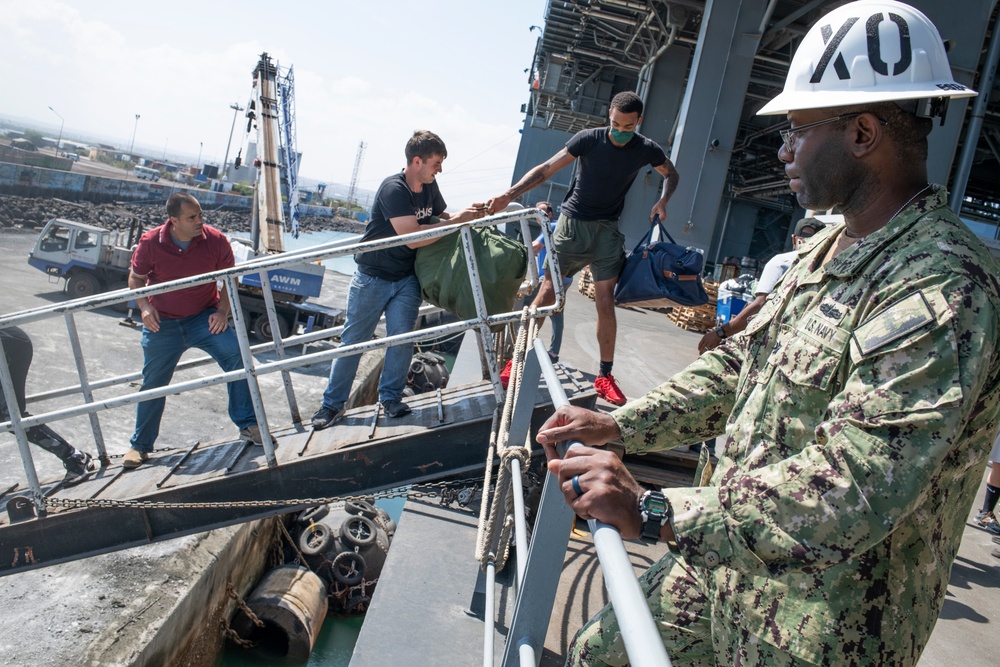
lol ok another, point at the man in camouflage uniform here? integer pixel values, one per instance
(859, 406)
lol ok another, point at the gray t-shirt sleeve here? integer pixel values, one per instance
(773, 271)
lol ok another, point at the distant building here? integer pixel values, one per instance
(75, 146)
(97, 152)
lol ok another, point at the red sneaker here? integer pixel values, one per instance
(505, 373)
(608, 389)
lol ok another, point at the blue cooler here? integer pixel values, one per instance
(728, 305)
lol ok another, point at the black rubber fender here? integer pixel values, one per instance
(348, 568)
(291, 601)
(389, 525)
(361, 508)
(357, 603)
(358, 532)
(315, 539)
(313, 514)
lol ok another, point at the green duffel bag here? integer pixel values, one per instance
(444, 276)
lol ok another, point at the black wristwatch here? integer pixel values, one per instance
(720, 331)
(655, 511)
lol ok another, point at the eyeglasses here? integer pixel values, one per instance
(788, 136)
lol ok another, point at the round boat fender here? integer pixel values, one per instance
(348, 568)
(358, 532)
(315, 539)
(386, 522)
(313, 514)
(291, 601)
(357, 603)
(361, 508)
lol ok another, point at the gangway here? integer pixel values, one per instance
(215, 484)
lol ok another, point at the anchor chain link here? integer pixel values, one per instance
(228, 630)
(436, 489)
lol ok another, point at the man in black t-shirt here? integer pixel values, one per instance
(385, 281)
(587, 233)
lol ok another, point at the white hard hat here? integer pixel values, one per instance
(865, 52)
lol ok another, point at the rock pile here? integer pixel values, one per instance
(34, 212)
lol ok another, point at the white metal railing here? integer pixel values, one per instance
(251, 368)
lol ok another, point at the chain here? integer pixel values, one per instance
(243, 605)
(276, 556)
(411, 492)
(292, 543)
(235, 638)
(228, 630)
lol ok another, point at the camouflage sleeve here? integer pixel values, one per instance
(918, 386)
(690, 407)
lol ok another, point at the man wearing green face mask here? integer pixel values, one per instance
(587, 233)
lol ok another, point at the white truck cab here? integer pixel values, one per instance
(88, 257)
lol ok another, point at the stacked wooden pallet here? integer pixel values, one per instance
(698, 318)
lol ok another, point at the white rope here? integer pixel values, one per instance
(502, 497)
(484, 531)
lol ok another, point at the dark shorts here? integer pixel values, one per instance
(598, 243)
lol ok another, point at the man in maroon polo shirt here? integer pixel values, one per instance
(196, 316)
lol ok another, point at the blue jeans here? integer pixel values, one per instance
(161, 352)
(367, 298)
(555, 342)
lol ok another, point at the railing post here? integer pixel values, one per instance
(88, 394)
(485, 335)
(279, 344)
(250, 371)
(528, 240)
(553, 268)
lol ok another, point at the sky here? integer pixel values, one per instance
(365, 70)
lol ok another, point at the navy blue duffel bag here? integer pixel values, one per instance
(661, 274)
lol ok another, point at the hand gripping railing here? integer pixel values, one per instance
(251, 370)
(550, 538)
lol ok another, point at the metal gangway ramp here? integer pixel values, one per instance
(214, 484)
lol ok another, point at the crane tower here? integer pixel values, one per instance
(289, 145)
(272, 109)
(352, 193)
